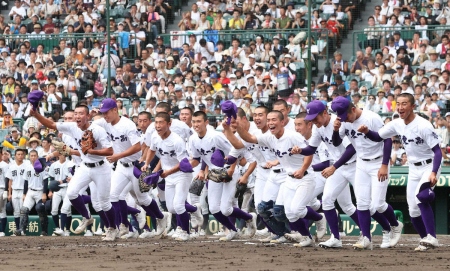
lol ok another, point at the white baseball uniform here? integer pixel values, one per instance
(321, 155)
(35, 187)
(60, 172)
(16, 173)
(294, 194)
(3, 170)
(418, 139)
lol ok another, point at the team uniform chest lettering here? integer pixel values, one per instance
(354, 134)
(170, 153)
(282, 153)
(16, 172)
(113, 138)
(206, 152)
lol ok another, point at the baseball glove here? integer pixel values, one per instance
(219, 175)
(88, 141)
(196, 187)
(143, 187)
(240, 189)
(61, 147)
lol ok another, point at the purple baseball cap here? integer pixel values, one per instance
(313, 109)
(229, 109)
(340, 106)
(39, 165)
(107, 104)
(35, 97)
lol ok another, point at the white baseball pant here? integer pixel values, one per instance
(320, 183)
(57, 198)
(177, 189)
(273, 184)
(294, 195)
(32, 198)
(101, 177)
(2, 204)
(417, 175)
(17, 202)
(337, 188)
(370, 192)
(221, 195)
(131, 185)
(260, 183)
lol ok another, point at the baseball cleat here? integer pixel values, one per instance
(171, 232)
(131, 235)
(220, 233)
(363, 243)
(386, 241)
(58, 232)
(84, 223)
(146, 234)
(321, 227)
(202, 233)
(269, 238)
(251, 226)
(294, 236)
(111, 234)
(429, 241)
(99, 232)
(141, 218)
(305, 242)
(182, 236)
(177, 233)
(396, 233)
(2, 234)
(161, 225)
(197, 217)
(44, 233)
(123, 229)
(331, 243)
(19, 233)
(230, 236)
(88, 233)
(262, 233)
(194, 235)
(279, 240)
(66, 233)
(421, 248)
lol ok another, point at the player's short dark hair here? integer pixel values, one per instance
(408, 96)
(241, 113)
(281, 102)
(145, 113)
(301, 115)
(188, 108)
(200, 114)
(165, 106)
(280, 115)
(83, 106)
(263, 107)
(21, 150)
(48, 139)
(163, 115)
(33, 151)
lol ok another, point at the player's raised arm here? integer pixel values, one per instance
(43, 120)
(372, 135)
(237, 144)
(245, 135)
(336, 138)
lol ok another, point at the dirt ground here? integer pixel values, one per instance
(89, 253)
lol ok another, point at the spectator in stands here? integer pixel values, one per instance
(359, 63)
(49, 8)
(431, 18)
(236, 22)
(431, 64)
(378, 17)
(420, 55)
(203, 24)
(284, 22)
(219, 22)
(17, 10)
(153, 19)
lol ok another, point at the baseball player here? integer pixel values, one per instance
(263, 156)
(93, 167)
(3, 191)
(296, 192)
(207, 145)
(421, 144)
(372, 169)
(16, 178)
(35, 192)
(127, 149)
(340, 173)
(59, 172)
(171, 150)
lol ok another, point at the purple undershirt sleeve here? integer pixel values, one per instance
(437, 158)
(321, 166)
(203, 165)
(308, 151)
(336, 138)
(374, 136)
(387, 151)
(348, 153)
(230, 160)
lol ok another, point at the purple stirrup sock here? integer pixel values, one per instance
(78, 204)
(382, 220)
(312, 215)
(146, 227)
(267, 226)
(225, 221)
(69, 222)
(428, 218)
(300, 227)
(390, 216)
(116, 209)
(153, 209)
(56, 220)
(184, 221)
(355, 218)
(111, 216)
(238, 213)
(419, 226)
(132, 211)
(232, 220)
(333, 222)
(190, 208)
(103, 217)
(124, 212)
(364, 222)
(86, 199)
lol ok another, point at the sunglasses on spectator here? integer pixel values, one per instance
(363, 90)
